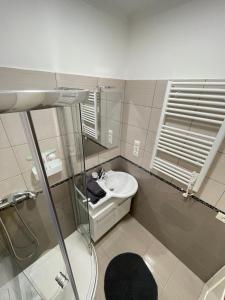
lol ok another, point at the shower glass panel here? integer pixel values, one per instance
(70, 130)
(46, 249)
(30, 272)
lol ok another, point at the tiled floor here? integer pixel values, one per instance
(175, 281)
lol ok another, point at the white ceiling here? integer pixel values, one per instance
(130, 8)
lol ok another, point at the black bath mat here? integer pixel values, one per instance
(128, 278)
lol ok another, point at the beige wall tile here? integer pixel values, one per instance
(140, 92)
(114, 110)
(136, 115)
(45, 123)
(140, 84)
(4, 142)
(117, 84)
(33, 184)
(8, 164)
(14, 129)
(130, 134)
(91, 161)
(12, 79)
(221, 203)
(108, 154)
(217, 170)
(150, 141)
(114, 126)
(211, 191)
(159, 96)
(146, 159)
(53, 144)
(127, 152)
(76, 81)
(23, 153)
(12, 185)
(154, 119)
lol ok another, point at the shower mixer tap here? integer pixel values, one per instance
(14, 198)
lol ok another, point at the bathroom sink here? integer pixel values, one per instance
(117, 185)
(120, 184)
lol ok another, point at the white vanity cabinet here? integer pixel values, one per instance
(106, 216)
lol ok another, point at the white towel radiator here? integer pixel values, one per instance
(89, 115)
(195, 101)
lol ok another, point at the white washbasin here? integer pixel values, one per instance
(120, 184)
(116, 185)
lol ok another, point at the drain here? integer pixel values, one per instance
(111, 189)
(61, 279)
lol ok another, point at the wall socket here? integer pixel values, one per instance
(136, 148)
(110, 136)
(221, 217)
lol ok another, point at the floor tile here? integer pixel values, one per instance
(161, 261)
(174, 280)
(183, 284)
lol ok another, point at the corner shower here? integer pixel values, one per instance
(46, 249)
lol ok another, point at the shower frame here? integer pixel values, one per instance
(62, 99)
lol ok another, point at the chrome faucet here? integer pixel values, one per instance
(102, 174)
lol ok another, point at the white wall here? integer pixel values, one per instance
(185, 42)
(61, 35)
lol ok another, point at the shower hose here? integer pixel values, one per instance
(34, 237)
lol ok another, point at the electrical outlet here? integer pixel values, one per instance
(136, 148)
(220, 216)
(110, 136)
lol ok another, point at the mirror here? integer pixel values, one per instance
(101, 120)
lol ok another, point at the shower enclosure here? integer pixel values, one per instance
(46, 250)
